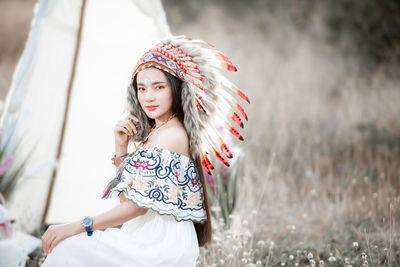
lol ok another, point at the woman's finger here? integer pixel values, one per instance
(128, 127)
(46, 244)
(123, 129)
(127, 123)
(132, 126)
(44, 236)
(45, 240)
(53, 244)
(133, 117)
(124, 125)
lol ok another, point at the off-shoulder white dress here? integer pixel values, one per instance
(167, 184)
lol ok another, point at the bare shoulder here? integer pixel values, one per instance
(174, 138)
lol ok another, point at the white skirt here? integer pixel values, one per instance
(148, 240)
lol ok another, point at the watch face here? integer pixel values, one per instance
(87, 221)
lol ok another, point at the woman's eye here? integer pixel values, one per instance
(160, 87)
(140, 88)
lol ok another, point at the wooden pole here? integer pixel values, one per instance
(69, 92)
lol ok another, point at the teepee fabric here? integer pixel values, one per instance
(114, 35)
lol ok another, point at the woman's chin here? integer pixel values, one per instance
(151, 115)
(154, 114)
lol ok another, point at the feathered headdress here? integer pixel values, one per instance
(207, 99)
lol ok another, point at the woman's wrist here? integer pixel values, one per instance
(78, 227)
(121, 149)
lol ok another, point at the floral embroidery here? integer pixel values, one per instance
(164, 181)
(137, 163)
(194, 181)
(174, 194)
(130, 180)
(139, 182)
(193, 199)
(145, 165)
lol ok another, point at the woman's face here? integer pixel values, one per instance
(154, 93)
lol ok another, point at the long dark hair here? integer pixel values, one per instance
(203, 230)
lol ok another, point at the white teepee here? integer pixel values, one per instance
(68, 92)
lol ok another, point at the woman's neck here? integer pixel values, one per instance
(164, 119)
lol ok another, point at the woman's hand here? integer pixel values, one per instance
(123, 129)
(55, 233)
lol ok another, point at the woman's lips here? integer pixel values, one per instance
(151, 108)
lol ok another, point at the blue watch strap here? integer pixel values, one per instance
(89, 230)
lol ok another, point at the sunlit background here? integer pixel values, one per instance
(318, 176)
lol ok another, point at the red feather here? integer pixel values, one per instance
(241, 111)
(225, 150)
(235, 133)
(199, 106)
(205, 164)
(223, 57)
(235, 117)
(218, 155)
(229, 67)
(209, 164)
(240, 93)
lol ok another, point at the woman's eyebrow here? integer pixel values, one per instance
(152, 83)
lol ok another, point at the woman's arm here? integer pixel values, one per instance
(125, 211)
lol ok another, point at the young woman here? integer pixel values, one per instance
(163, 207)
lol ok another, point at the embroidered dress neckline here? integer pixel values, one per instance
(161, 149)
(163, 180)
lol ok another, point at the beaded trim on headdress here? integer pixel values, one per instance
(206, 94)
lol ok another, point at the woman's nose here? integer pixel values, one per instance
(149, 95)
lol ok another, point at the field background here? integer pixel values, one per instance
(320, 165)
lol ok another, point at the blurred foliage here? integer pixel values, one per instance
(189, 10)
(222, 189)
(372, 27)
(12, 175)
(12, 164)
(379, 136)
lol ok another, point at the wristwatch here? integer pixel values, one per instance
(87, 223)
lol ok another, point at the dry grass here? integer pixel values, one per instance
(322, 149)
